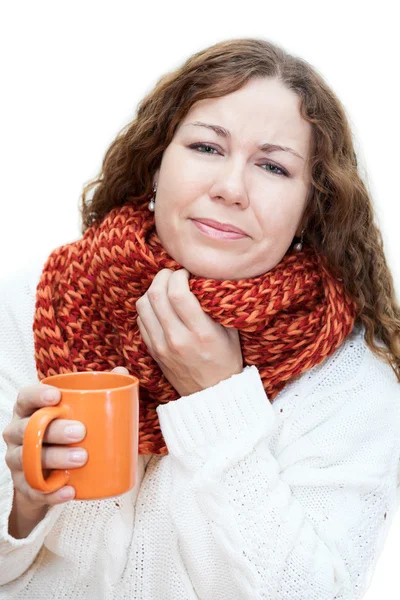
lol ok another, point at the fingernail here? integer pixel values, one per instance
(77, 456)
(122, 370)
(66, 493)
(50, 396)
(75, 432)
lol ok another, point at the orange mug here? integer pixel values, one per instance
(108, 405)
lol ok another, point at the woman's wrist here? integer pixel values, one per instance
(24, 517)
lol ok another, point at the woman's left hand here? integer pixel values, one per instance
(193, 351)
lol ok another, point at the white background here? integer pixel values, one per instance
(72, 75)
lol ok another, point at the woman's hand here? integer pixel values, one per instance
(55, 451)
(193, 351)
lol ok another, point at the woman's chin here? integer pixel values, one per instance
(213, 271)
(219, 270)
(217, 275)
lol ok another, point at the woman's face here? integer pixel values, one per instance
(230, 180)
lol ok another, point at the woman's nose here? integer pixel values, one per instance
(231, 187)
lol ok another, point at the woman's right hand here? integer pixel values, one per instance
(55, 455)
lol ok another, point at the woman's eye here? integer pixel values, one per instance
(274, 169)
(198, 146)
(281, 171)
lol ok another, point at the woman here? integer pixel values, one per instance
(252, 297)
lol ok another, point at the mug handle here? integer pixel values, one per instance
(32, 450)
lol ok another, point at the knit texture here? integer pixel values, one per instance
(292, 500)
(289, 319)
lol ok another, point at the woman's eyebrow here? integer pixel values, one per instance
(226, 134)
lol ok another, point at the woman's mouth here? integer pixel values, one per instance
(215, 233)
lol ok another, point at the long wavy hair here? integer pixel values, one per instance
(339, 217)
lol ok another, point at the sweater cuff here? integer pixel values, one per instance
(36, 537)
(224, 411)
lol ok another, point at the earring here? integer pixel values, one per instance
(152, 203)
(299, 246)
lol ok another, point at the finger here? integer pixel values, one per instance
(60, 431)
(149, 326)
(62, 495)
(145, 337)
(121, 370)
(40, 499)
(53, 457)
(185, 304)
(32, 397)
(157, 296)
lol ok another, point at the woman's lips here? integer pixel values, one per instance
(218, 233)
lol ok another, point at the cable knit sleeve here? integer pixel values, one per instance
(290, 500)
(17, 369)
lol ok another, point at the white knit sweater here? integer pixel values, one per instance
(290, 500)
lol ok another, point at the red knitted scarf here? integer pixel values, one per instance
(289, 319)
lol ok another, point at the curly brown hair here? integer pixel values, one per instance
(339, 217)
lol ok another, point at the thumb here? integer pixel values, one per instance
(121, 370)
